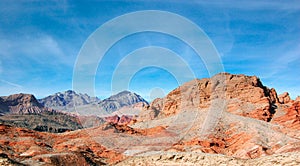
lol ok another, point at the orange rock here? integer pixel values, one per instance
(244, 95)
(284, 98)
(51, 148)
(291, 117)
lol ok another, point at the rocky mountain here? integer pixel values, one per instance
(67, 100)
(234, 115)
(23, 110)
(239, 94)
(122, 99)
(224, 120)
(70, 101)
(20, 104)
(26, 147)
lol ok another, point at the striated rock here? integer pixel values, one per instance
(290, 120)
(241, 138)
(21, 104)
(256, 127)
(244, 95)
(35, 148)
(284, 98)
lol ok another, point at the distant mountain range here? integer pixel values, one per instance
(124, 98)
(233, 115)
(65, 111)
(71, 101)
(24, 110)
(67, 100)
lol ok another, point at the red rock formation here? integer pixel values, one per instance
(123, 120)
(298, 98)
(274, 129)
(112, 119)
(290, 120)
(284, 98)
(245, 95)
(233, 140)
(53, 149)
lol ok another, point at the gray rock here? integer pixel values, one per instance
(67, 100)
(124, 98)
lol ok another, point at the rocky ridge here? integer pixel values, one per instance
(21, 104)
(23, 110)
(255, 121)
(39, 148)
(66, 100)
(243, 95)
(255, 126)
(122, 99)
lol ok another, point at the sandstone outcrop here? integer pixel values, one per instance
(244, 95)
(34, 148)
(256, 127)
(123, 120)
(289, 120)
(284, 98)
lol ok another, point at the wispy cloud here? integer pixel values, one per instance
(11, 84)
(37, 48)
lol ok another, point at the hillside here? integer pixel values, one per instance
(227, 119)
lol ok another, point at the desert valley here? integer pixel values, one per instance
(228, 119)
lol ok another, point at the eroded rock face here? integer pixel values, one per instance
(244, 95)
(123, 120)
(290, 120)
(242, 138)
(256, 124)
(251, 109)
(21, 104)
(284, 98)
(34, 148)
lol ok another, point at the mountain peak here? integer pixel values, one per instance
(124, 98)
(67, 99)
(234, 88)
(19, 104)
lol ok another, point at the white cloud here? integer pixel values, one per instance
(43, 49)
(282, 62)
(11, 83)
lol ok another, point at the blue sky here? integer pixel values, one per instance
(40, 41)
